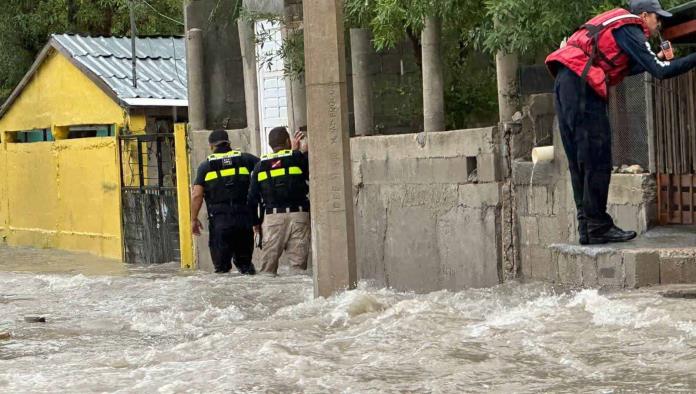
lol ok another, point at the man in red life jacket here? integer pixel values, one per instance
(601, 53)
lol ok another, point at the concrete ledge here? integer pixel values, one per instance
(604, 267)
(677, 270)
(632, 189)
(458, 143)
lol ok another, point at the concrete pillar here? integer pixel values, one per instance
(296, 92)
(433, 80)
(196, 79)
(251, 84)
(223, 73)
(363, 61)
(508, 89)
(333, 228)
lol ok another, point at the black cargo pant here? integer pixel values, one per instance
(586, 138)
(231, 241)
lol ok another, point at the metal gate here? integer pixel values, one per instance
(150, 214)
(675, 130)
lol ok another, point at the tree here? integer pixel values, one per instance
(26, 25)
(538, 26)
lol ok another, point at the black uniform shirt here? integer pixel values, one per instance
(255, 199)
(249, 161)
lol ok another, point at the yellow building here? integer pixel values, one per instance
(87, 158)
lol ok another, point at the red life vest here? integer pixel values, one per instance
(593, 54)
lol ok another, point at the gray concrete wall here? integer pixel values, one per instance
(222, 62)
(426, 219)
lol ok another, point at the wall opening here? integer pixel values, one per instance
(90, 131)
(471, 166)
(37, 135)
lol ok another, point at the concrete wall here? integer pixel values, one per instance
(425, 218)
(62, 194)
(224, 94)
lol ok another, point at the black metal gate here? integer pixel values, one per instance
(148, 194)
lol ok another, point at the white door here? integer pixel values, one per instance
(272, 96)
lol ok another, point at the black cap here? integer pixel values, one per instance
(218, 136)
(639, 6)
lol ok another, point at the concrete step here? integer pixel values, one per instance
(676, 270)
(662, 256)
(577, 265)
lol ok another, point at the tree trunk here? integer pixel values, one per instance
(72, 16)
(433, 80)
(508, 85)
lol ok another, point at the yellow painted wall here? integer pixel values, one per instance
(59, 94)
(64, 195)
(3, 193)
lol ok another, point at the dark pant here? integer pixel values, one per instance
(229, 242)
(586, 138)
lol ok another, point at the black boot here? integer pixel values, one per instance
(582, 232)
(249, 270)
(614, 234)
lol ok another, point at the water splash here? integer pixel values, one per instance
(160, 331)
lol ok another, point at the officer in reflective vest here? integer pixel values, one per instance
(279, 186)
(600, 54)
(223, 182)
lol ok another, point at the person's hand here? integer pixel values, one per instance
(296, 142)
(257, 229)
(661, 55)
(197, 226)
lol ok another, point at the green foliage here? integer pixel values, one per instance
(26, 25)
(470, 94)
(528, 26)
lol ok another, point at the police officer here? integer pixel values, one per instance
(601, 53)
(279, 185)
(223, 182)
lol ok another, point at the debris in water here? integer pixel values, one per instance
(34, 319)
(5, 335)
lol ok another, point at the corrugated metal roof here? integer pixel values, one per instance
(161, 64)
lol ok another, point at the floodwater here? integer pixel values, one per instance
(116, 329)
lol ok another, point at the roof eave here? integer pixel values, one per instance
(153, 102)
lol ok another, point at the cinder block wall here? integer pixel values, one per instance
(428, 209)
(546, 209)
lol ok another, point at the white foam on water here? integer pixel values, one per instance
(164, 332)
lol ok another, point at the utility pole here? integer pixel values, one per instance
(133, 33)
(333, 227)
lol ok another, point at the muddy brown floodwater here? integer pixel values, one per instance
(113, 328)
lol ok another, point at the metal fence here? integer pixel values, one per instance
(629, 118)
(149, 199)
